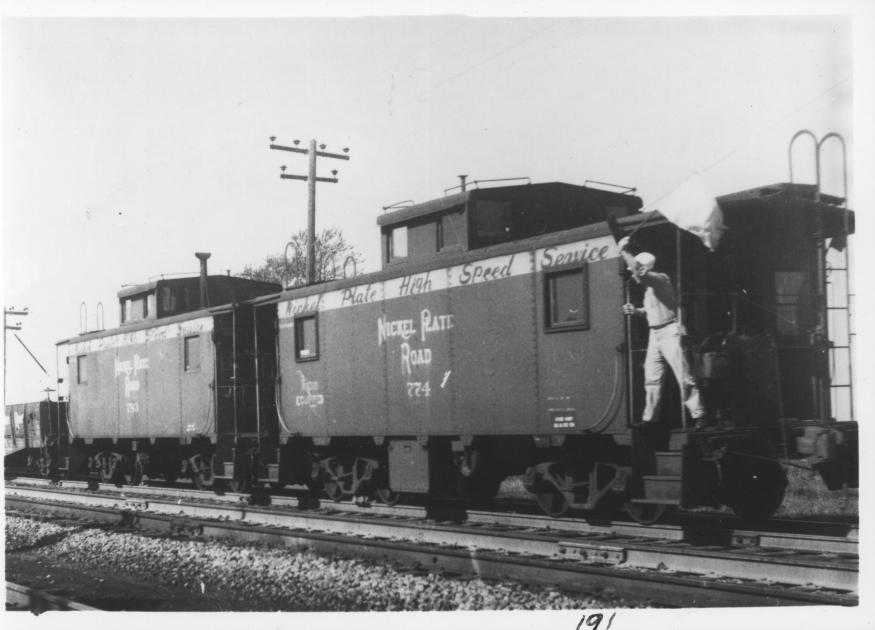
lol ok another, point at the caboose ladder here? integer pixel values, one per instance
(839, 295)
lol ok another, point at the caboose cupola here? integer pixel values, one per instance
(475, 218)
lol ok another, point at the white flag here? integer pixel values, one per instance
(692, 207)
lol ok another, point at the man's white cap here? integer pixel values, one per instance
(645, 260)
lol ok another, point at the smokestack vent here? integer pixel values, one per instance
(203, 256)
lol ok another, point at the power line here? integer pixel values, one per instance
(776, 123)
(760, 132)
(23, 345)
(486, 60)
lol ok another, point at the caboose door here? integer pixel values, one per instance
(236, 418)
(223, 338)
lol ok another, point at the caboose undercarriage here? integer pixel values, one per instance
(652, 469)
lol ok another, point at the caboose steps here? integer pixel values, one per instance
(669, 462)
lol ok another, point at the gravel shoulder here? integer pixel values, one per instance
(136, 572)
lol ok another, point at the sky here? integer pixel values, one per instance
(131, 141)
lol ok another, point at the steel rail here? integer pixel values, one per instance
(727, 535)
(20, 597)
(762, 565)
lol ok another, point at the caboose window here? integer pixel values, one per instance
(169, 297)
(449, 231)
(136, 308)
(81, 369)
(139, 308)
(567, 299)
(398, 243)
(192, 353)
(492, 222)
(792, 302)
(306, 338)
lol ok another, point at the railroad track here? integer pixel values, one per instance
(698, 528)
(660, 564)
(20, 597)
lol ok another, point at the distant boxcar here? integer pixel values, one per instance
(31, 430)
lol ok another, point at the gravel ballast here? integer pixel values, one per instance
(248, 577)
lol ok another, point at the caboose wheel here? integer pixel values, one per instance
(753, 488)
(202, 474)
(46, 466)
(333, 490)
(134, 476)
(239, 485)
(552, 502)
(382, 491)
(544, 482)
(202, 480)
(387, 495)
(646, 513)
(109, 468)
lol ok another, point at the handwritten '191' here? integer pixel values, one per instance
(594, 621)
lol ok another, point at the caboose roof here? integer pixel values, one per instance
(806, 192)
(216, 279)
(404, 215)
(145, 324)
(802, 198)
(428, 207)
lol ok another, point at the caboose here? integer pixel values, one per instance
(169, 387)
(492, 344)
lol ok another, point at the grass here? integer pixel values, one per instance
(808, 497)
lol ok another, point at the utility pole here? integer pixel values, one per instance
(311, 179)
(16, 326)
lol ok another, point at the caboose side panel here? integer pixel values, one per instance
(302, 346)
(142, 383)
(93, 388)
(197, 369)
(354, 390)
(452, 350)
(416, 332)
(162, 390)
(493, 345)
(131, 371)
(580, 335)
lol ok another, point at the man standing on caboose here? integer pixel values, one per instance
(664, 345)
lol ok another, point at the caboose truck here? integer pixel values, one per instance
(492, 344)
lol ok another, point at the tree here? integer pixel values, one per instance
(335, 258)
